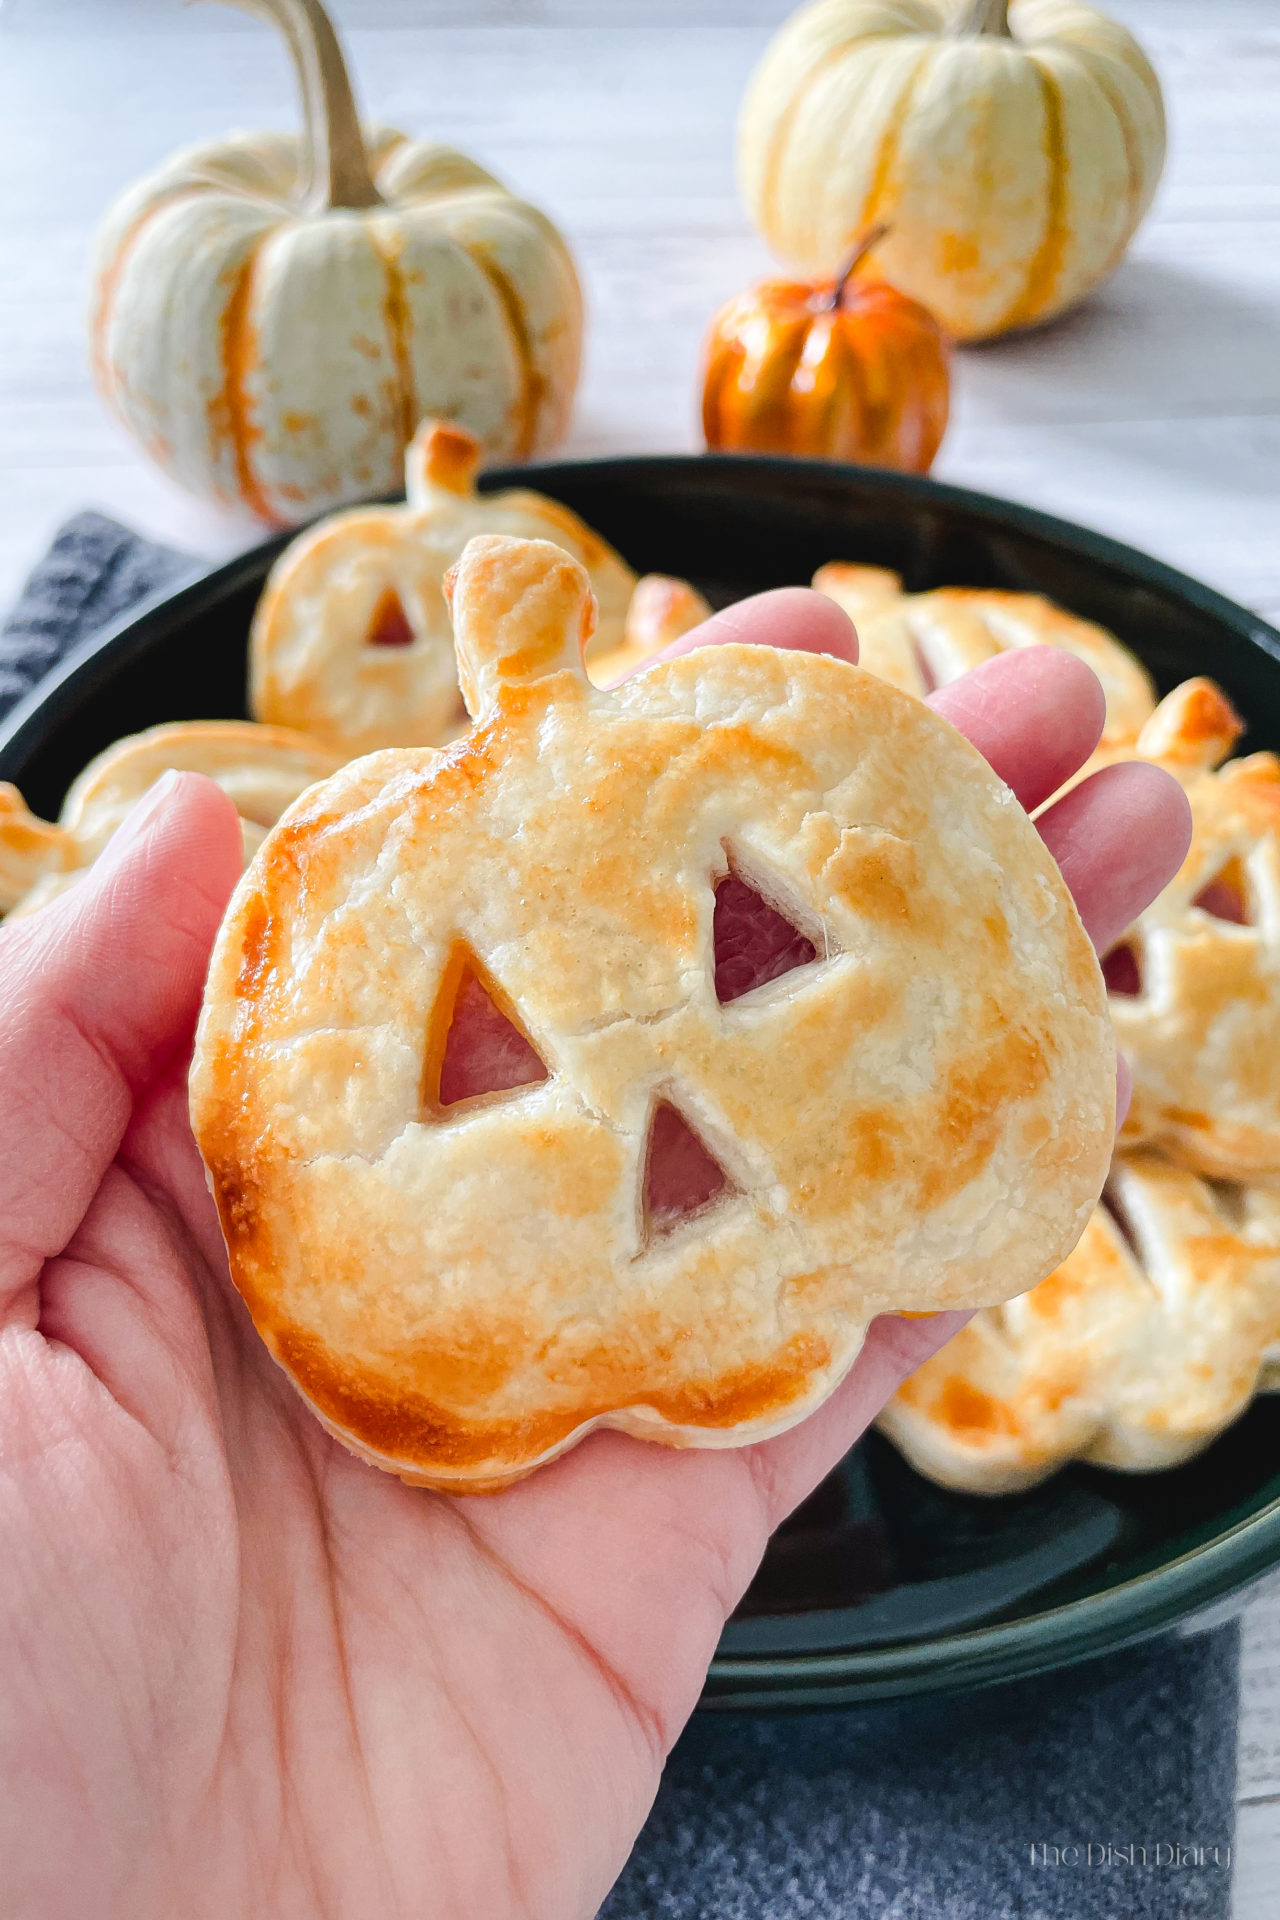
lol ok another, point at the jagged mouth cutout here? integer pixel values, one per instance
(480, 1053)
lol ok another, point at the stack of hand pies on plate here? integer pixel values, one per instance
(587, 1050)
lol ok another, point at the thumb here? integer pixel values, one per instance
(98, 991)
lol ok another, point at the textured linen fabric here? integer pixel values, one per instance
(1031, 1802)
(94, 571)
(1027, 1802)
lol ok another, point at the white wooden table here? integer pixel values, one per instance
(1153, 413)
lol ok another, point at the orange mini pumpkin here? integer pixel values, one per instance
(844, 370)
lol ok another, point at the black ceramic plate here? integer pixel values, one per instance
(882, 1584)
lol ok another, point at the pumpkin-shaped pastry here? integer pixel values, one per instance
(619, 1062)
(273, 314)
(1195, 983)
(1011, 149)
(861, 590)
(351, 641)
(1149, 1339)
(261, 769)
(926, 640)
(848, 369)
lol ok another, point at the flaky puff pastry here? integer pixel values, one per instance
(916, 1115)
(351, 640)
(1196, 981)
(1151, 1337)
(261, 769)
(919, 641)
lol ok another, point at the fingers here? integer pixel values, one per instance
(789, 1468)
(792, 617)
(97, 991)
(1119, 837)
(1033, 713)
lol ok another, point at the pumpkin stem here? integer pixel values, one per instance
(337, 165)
(871, 238)
(988, 16)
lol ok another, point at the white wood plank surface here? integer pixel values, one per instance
(1153, 412)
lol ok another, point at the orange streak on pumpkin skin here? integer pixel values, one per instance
(231, 413)
(532, 384)
(1046, 267)
(399, 323)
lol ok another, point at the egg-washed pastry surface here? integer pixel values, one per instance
(1151, 1337)
(351, 640)
(261, 769)
(1195, 983)
(920, 641)
(619, 1062)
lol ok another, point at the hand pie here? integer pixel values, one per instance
(860, 590)
(1136, 1353)
(924, 640)
(262, 769)
(351, 640)
(1195, 983)
(619, 1063)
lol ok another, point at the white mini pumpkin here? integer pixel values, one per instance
(1011, 149)
(273, 314)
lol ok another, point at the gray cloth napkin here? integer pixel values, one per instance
(1033, 1802)
(94, 571)
(1029, 1802)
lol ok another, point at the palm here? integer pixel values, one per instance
(250, 1673)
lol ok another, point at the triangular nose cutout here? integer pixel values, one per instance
(752, 941)
(1226, 896)
(476, 1047)
(682, 1177)
(389, 626)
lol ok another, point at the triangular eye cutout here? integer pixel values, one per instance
(475, 1047)
(1111, 1205)
(1226, 896)
(752, 941)
(1122, 970)
(924, 667)
(682, 1177)
(389, 626)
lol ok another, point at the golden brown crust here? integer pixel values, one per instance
(860, 590)
(351, 640)
(1135, 1354)
(1203, 1033)
(261, 769)
(926, 1106)
(924, 640)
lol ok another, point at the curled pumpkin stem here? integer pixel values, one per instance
(871, 238)
(988, 16)
(337, 165)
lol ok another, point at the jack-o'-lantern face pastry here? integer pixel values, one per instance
(1195, 983)
(619, 1062)
(261, 769)
(920, 641)
(351, 641)
(1149, 1339)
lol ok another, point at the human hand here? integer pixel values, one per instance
(246, 1674)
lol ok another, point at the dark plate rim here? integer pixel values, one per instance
(204, 584)
(1160, 1598)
